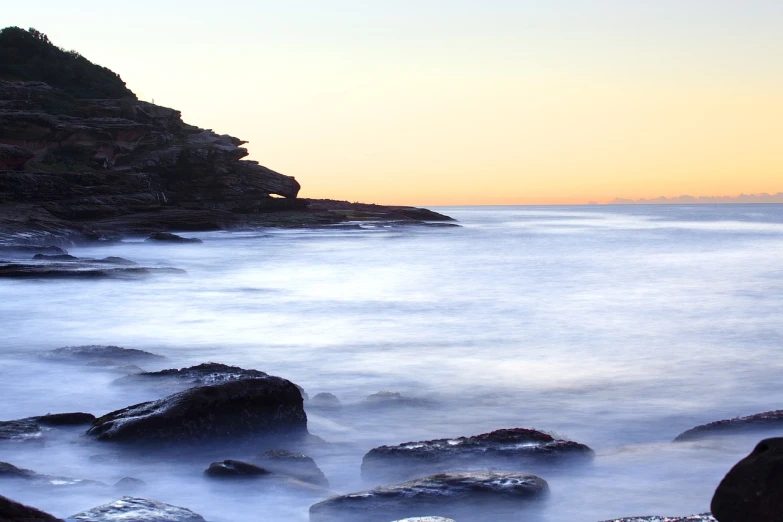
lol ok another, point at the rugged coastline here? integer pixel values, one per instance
(83, 160)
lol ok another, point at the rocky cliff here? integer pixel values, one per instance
(82, 158)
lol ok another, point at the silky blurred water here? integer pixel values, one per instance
(615, 326)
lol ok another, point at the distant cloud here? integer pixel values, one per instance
(742, 198)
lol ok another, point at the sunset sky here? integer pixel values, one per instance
(432, 102)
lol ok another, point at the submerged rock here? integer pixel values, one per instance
(129, 484)
(387, 398)
(34, 427)
(704, 517)
(9, 471)
(234, 469)
(98, 352)
(294, 464)
(752, 490)
(81, 270)
(325, 401)
(172, 238)
(503, 449)
(450, 494)
(12, 511)
(767, 420)
(228, 411)
(132, 509)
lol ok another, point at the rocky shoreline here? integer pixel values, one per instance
(220, 407)
(83, 160)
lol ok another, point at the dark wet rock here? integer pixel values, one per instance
(501, 449)
(65, 419)
(130, 484)
(9, 471)
(704, 517)
(114, 260)
(116, 366)
(767, 420)
(80, 270)
(99, 352)
(234, 469)
(205, 374)
(11, 511)
(324, 401)
(392, 399)
(19, 430)
(172, 238)
(294, 464)
(753, 489)
(228, 411)
(55, 257)
(449, 494)
(33, 428)
(132, 509)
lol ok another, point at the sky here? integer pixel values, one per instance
(435, 102)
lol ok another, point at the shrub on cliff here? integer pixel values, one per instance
(30, 56)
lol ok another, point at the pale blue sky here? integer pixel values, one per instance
(356, 97)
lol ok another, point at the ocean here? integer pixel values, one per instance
(615, 326)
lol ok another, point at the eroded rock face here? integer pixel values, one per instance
(502, 449)
(228, 411)
(293, 464)
(760, 421)
(753, 489)
(472, 496)
(132, 509)
(11, 511)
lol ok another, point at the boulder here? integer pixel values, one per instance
(172, 238)
(11, 511)
(501, 449)
(228, 411)
(201, 375)
(767, 420)
(132, 509)
(383, 399)
(752, 490)
(470, 496)
(234, 469)
(293, 464)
